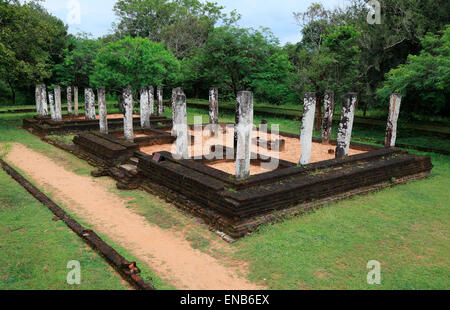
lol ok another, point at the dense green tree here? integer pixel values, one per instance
(31, 43)
(404, 23)
(236, 59)
(183, 25)
(78, 64)
(425, 78)
(136, 62)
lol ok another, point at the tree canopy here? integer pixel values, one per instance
(425, 78)
(31, 43)
(136, 62)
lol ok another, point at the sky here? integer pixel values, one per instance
(97, 15)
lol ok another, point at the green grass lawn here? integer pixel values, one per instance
(34, 250)
(405, 228)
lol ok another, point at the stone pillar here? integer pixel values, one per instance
(144, 108)
(346, 125)
(151, 100)
(309, 112)
(58, 106)
(244, 130)
(69, 100)
(89, 104)
(159, 98)
(180, 127)
(51, 101)
(327, 123)
(37, 97)
(128, 115)
(44, 106)
(102, 112)
(214, 109)
(236, 121)
(75, 99)
(175, 92)
(394, 112)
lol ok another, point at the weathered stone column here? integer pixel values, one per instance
(58, 107)
(144, 108)
(151, 100)
(102, 112)
(394, 112)
(346, 125)
(214, 109)
(309, 112)
(69, 99)
(175, 92)
(51, 101)
(44, 106)
(37, 97)
(89, 104)
(180, 127)
(128, 115)
(327, 124)
(244, 129)
(75, 99)
(159, 98)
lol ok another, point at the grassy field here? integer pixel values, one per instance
(34, 250)
(405, 228)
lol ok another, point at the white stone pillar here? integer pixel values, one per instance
(214, 109)
(180, 127)
(51, 101)
(75, 99)
(69, 100)
(145, 108)
(244, 130)
(346, 125)
(327, 124)
(394, 112)
(151, 100)
(128, 115)
(58, 107)
(309, 112)
(102, 112)
(44, 106)
(159, 97)
(175, 92)
(37, 97)
(89, 104)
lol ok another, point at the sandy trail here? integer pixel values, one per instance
(169, 256)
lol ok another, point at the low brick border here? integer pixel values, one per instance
(128, 270)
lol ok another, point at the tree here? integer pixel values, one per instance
(236, 59)
(78, 64)
(136, 62)
(312, 62)
(424, 80)
(183, 25)
(31, 43)
(404, 23)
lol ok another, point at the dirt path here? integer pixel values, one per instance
(169, 256)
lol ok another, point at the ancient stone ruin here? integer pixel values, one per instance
(236, 202)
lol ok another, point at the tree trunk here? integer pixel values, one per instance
(13, 94)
